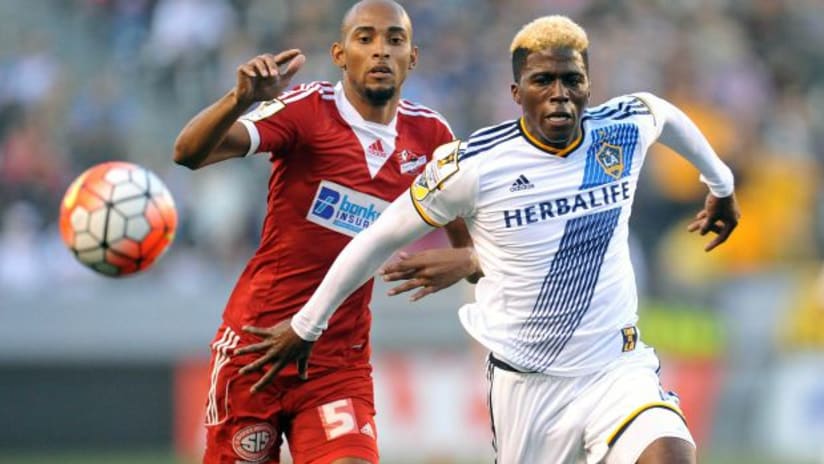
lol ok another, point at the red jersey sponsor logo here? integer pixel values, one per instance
(343, 209)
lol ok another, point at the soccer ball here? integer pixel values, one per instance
(117, 218)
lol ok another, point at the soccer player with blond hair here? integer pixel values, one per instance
(547, 200)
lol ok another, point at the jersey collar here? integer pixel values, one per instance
(561, 152)
(351, 115)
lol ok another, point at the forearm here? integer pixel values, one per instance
(204, 133)
(459, 238)
(683, 136)
(397, 226)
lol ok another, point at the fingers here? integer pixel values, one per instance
(267, 65)
(719, 239)
(248, 70)
(285, 56)
(257, 331)
(303, 366)
(698, 222)
(293, 67)
(267, 377)
(405, 287)
(271, 65)
(395, 274)
(400, 266)
(423, 292)
(724, 230)
(257, 364)
(253, 348)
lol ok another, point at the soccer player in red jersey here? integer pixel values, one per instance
(340, 153)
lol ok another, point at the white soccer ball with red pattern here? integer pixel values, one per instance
(117, 218)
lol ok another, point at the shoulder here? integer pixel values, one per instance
(486, 139)
(298, 100)
(619, 108)
(422, 114)
(312, 91)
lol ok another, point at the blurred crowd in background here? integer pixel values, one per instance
(88, 81)
(85, 81)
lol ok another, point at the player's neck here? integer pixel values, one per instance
(378, 114)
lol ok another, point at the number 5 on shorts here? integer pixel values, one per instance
(338, 418)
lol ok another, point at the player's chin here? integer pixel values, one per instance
(559, 133)
(379, 94)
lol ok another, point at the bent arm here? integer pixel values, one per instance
(682, 135)
(399, 225)
(213, 135)
(459, 237)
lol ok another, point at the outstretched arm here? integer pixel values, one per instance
(292, 340)
(430, 271)
(720, 214)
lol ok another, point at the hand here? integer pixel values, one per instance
(282, 346)
(260, 79)
(720, 216)
(430, 270)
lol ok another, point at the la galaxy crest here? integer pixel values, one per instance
(611, 159)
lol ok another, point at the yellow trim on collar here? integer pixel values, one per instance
(562, 152)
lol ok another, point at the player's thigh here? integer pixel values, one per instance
(243, 439)
(336, 421)
(240, 426)
(534, 418)
(632, 412)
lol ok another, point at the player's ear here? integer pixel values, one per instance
(413, 58)
(338, 55)
(516, 93)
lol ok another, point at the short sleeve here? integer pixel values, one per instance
(446, 189)
(275, 126)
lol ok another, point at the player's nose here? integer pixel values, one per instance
(558, 91)
(380, 48)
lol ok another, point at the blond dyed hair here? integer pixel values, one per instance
(554, 31)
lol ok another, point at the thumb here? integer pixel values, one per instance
(303, 367)
(293, 67)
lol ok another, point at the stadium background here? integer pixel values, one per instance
(100, 370)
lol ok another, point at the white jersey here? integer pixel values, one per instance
(550, 230)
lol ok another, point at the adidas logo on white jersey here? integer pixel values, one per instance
(522, 183)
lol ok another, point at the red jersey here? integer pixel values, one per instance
(332, 175)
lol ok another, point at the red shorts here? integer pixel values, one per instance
(327, 417)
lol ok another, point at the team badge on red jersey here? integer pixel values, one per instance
(410, 162)
(253, 443)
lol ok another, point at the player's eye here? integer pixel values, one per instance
(364, 39)
(397, 40)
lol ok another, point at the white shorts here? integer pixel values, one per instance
(607, 417)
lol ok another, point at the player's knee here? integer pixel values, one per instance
(668, 450)
(351, 461)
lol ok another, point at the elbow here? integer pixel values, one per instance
(183, 156)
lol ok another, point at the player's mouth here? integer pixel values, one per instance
(380, 72)
(559, 119)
